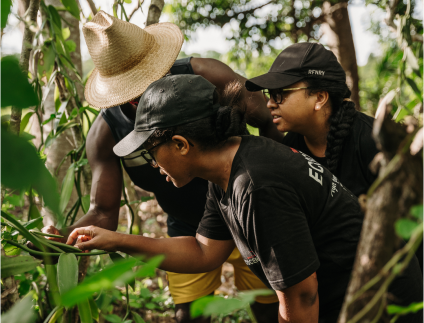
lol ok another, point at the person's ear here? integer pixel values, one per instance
(181, 144)
(321, 100)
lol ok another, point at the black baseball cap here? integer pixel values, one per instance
(296, 62)
(171, 101)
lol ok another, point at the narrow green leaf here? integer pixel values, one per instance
(21, 312)
(16, 90)
(67, 186)
(6, 6)
(52, 317)
(25, 120)
(94, 309)
(22, 230)
(414, 87)
(137, 318)
(72, 7)
(113, 318)
(17, 265)
(85, 311)
(55, 17)
(67, 272)
(402, 310)
(85, 203)
(405, 228)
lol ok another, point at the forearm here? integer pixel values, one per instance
(182, 254)
(269, 129)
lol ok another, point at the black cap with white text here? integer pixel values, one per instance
(297, 62)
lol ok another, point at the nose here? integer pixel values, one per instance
(271, 104)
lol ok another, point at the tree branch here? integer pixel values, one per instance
(135, 9)
(155, 10)
(30, 17)
(92, 7)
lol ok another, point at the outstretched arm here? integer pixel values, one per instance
(182, 254)
(220, 74)
(106, 185)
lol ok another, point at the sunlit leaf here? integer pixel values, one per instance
(25, 120)
(66, 33)
(67, 186)
(70, 46)
(67, 272)
(85, 203)
(72, 7)
(45, 63)
(5, 10)
(402, 310)
(15, 88)
(414, 87)
(405, 228)
(417, 211)
(21, 312)
(17, 265)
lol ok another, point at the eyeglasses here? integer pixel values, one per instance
(148, 157)
(277, 95)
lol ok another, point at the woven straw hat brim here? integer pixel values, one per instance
(112, 90)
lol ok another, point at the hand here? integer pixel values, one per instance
(52, 230)
(89, 238)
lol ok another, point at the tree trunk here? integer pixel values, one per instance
(400, 189)
(338, 31)
(155, 9)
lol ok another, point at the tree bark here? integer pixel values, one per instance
(30, 16)
(92, 7)
(336, 27)
(155, 9)
(400, 188)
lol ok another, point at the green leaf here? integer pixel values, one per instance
(72, 7)
(34, 223)
(127, 1)
(85, 311)
(55, 17)
(66, 33)
(45, 63)
(137, 318)
(102, 280)
(209, 305)
(94, 309)
(21, 167)
(85, 203)
(112, 318)
(17, 265)
(25, 120)
(412, 61)
(250, 296)
(6, 6)
(414, 86)
(21, 312)
(15, 88)
(417, 212)
(402, 310)
(115, 257)
(405, 228)
(67, 272)
(70, 46)
(67, 186)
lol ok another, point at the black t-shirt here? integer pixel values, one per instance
(289, 217)
(357, 153)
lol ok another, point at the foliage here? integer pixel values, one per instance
(21, 312)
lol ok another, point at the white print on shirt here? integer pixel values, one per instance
(315, 168)
(253, 259)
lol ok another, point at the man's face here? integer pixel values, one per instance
(295, 109)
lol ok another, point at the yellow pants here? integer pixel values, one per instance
(186, 288)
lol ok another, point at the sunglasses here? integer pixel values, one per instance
(148, 157)
(277, 95)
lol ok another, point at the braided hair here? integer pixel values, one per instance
(213, 131)
(341, 119)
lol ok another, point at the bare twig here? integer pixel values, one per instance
(92, 7)
(135, 9)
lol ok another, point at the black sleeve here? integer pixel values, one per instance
(368, 150)
(212, 225)
(278, 230)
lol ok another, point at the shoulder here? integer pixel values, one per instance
(216, 72)
(100, 140)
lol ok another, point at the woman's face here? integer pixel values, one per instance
(295, 110)
(173, 160)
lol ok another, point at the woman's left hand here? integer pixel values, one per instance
(91, 237)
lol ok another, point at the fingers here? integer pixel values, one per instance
(51, 230)
(84, 231)
(84, 243)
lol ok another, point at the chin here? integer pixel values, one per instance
(179, 184)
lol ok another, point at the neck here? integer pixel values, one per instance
(215, 165)
(315, 135)
(129, 110)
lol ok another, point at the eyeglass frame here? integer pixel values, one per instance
(152, 162)
(267, 92)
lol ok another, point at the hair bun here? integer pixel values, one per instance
(223, 122)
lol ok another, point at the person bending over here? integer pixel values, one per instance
(295, 225)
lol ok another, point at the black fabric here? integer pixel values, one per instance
(289, 217)
(185, 205)
(358, 151)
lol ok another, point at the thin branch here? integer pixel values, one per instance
(92, 7)
(135, 9)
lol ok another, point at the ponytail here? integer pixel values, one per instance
(343, 113)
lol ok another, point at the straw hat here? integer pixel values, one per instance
(127, 58)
